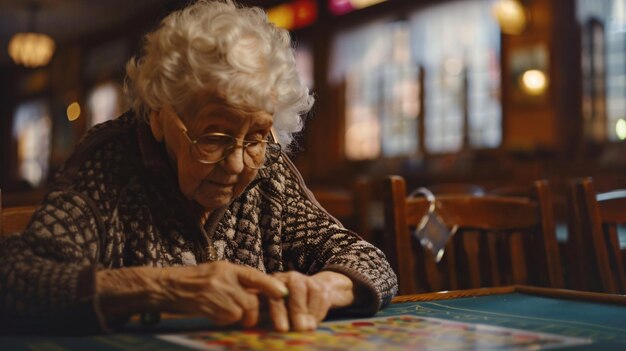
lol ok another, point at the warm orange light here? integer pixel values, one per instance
(73, 111)
(511, 16)
(620, 129)
(31, 49)
(304, 13)
(281, 16)
(293, 15)
(534, 82)
(359, 4)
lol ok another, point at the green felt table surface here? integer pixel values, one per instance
(604, 324)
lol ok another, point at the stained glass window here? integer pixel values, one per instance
(105, 102)
(304, 63)
(458, 45)
(31, 128)
(604, 68)
(447, 55)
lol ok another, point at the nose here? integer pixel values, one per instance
(233, 162)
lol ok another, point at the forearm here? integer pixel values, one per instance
(45, 295)
(123, 292)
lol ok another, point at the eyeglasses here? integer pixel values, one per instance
(212, 148)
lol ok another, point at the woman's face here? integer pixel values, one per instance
(210, 185)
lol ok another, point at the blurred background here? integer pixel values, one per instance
(487, 92)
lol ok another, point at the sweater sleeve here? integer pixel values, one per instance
(47, 273)
(314, 241)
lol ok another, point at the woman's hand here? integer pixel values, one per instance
(223, 292)
(310, 298)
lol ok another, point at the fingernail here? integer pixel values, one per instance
(282, 325)
(311, 323)
(301, 322)
(284, 290)
(282, 287)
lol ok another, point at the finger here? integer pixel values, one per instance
(250, 278)
(278, 314)
(228, 305)
(250, 311)
(248, 302)
(222, 317)
(298, 305)
(317, 302)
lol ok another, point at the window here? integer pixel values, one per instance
(358, 60)
(451, 52)
(304, 64)
(604, 68)
(458, 45)
(31, 128)
(104, 103)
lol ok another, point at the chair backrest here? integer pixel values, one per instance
(15, 219)
(594, 257)
(500, 240)
(456, 188)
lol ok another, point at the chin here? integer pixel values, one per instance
(212, 202)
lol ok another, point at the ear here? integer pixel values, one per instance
(156, 124)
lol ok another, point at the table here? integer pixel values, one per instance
(600, 318)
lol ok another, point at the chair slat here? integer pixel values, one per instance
(493, 258)
(452, 266)
(470, 245)
(518, 259)
(616, 257)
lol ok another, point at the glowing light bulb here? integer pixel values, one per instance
(511, 16)
(31, 49)
(620, 129)
(534, 82)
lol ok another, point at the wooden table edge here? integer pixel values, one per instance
(524, 289)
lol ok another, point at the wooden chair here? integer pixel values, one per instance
(594, 254)
(501, 240)
(15, 219)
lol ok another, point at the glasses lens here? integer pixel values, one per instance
(211, 148)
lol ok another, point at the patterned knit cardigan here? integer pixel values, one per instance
(115, 203)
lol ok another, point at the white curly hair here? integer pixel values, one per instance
(225, 50)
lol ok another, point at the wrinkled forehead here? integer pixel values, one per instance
(209, 103)
(211, 110)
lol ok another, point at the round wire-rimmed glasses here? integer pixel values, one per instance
(212, 148)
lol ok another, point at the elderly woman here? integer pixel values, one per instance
(187, 203)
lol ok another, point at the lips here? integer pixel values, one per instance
(212, 189)
(231, 182)
(224, 185)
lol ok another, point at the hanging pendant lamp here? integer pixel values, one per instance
(31, 49)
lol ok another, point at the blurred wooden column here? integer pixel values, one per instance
(551, 122)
